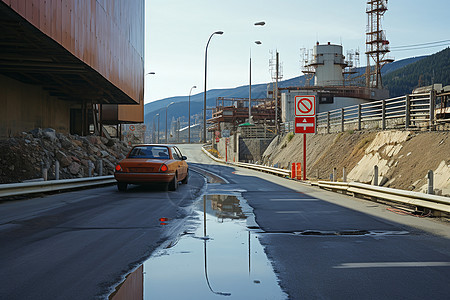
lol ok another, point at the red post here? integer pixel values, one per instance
(299, 171)
(226, 149)
(304, 156)
(293, 170)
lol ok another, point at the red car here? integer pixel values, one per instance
(152, 163)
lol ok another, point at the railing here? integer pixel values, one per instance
(408, 112)
(415, 111)
(15, 189)
(409, 198)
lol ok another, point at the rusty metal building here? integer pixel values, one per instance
(71, 65)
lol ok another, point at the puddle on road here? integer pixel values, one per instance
(221, 258)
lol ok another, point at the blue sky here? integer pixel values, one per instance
(177, 32)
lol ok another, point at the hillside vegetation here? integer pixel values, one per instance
(432, 69)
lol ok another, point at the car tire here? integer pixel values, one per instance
(173, 184)
(121, 186)
(185, 180)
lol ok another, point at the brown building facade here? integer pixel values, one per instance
(68, 64)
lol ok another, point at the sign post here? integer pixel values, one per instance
(305, 120)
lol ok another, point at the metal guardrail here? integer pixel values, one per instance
(16, 189)
(272, 170)
(433, 202)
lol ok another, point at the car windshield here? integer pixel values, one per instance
(149, 152)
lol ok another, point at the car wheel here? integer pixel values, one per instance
(185, 180)
(173, 184)
(121, 186)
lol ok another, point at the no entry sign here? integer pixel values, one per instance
(305, 106)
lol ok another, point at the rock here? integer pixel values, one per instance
(77, 143)
(50, 134)
(74, 158)
(74, 168)
(63, 159)
(104, 153)
(37, 133)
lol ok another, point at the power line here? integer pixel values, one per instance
(423, 44)
(418, 48)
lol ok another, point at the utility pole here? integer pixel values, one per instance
(276, 91)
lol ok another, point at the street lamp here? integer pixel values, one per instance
(250, 85)
(154, 135)
(204, 93)
(189, 115)
(167, 108)
(261, 23)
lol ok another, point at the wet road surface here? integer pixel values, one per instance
(320, 245)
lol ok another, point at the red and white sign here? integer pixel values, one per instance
(305, 125)
(305, 106)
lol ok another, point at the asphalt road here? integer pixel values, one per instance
(322, 245)
(79, 245)
(325, 245)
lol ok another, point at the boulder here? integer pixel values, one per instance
(63, 159)
(74, 168)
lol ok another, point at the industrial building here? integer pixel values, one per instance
(328, 67)
(71, 65)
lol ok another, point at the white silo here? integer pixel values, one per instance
(329, 65)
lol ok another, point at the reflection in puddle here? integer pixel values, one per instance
(221, 258)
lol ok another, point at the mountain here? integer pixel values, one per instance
(431, 69)
(180, 107)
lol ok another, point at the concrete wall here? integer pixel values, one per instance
(42, 110)
(243, 150)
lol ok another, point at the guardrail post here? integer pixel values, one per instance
(383, 114)
(375, 175)
(359, 116)
(342, 119)
(100, 167)
(90, 168)
(57, 170)
(328, 122)
(44, 171)
(430, 182)
(407, 111)
(344, 175)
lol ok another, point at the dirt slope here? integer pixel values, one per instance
(403, 157)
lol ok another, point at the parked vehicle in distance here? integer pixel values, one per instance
(152, 163)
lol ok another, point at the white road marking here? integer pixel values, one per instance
(297, 199)
(415, 264)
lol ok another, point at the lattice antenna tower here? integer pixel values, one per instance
(377, 46)
(273, 67)
(352, 64)
(306, 66)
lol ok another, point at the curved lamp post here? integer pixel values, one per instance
(262, 23)
(189, 115)
(250, 85)
(157, 136)
(204, 93)
(154, 135)
(167, 108)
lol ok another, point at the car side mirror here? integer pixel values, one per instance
(183, 157)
